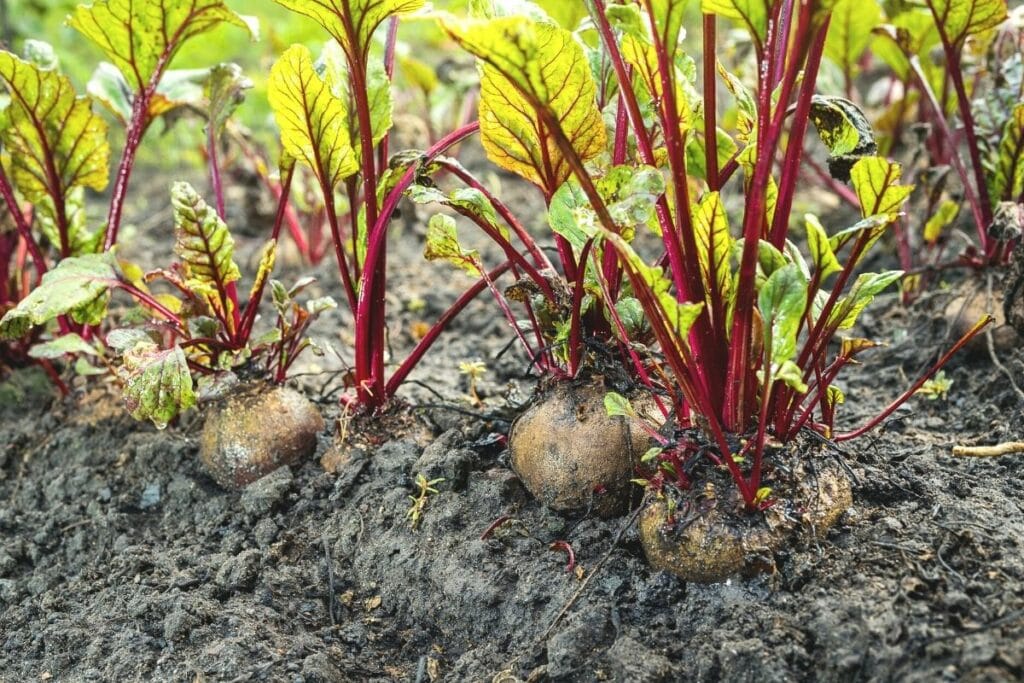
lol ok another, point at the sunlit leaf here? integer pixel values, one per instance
(535, 75)
(957, 19)
(617, 405)
(443, 245)
(1008, 179)
(313, 122)
(335, 71)
(268, 256)
(850, 32)
(864, 290)
(140, 37)
(204, 245)
(944, 215)
(54, 139)
(714, 244)
(466, 200)
(824, 258)
(875, 180)
(352, 22)
(752, 14)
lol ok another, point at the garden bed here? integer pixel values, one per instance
(122, 560)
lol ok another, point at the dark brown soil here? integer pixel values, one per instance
(121, 560)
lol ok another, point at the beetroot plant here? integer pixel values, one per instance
(748, 330)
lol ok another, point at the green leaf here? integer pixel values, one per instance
(54, 139)
(140, 37)
(617, 405)
(1008, 179)
(62, 345)
(821, 251)
(313, 121)
(205, 247)
(946, 213)
(958, 19)
(850, 33)
(845, 130)
(782, 301)
(864, 290)
(643, 57)
(158, 384)
(875, 181)
(362, 16)
(77, 283)
(443, 245)
(225, 90)
(631, 313)
(834, 395)
(466, 200)
(535, 76)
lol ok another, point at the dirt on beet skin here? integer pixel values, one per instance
(122, 560)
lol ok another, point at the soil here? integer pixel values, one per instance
(121, 559)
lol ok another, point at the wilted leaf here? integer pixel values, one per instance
(158, 384)
(313, 121)
(139, 36)
(534, 74)
(845, 130)
(77, 282)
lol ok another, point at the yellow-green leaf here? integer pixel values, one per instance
(875, 181)
(753, 14)
(313, 121)
(378, 90)
(1008, 179)
(821, 252)
(443, 245)
(535, 75)
(352, 22)
(850, 32)
(204, 245)
(54, 139)
(946, 213)
(142, 36)
(957, 19)
(714, 244)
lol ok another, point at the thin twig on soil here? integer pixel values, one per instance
(330, 579)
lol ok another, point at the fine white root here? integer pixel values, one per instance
(989, 451)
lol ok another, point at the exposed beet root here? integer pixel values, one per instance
(710, 541)
(572, 456)
(964, 311)
(256, 431)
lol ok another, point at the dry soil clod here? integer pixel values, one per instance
(257, 430)
(572, 456)
(711, 542)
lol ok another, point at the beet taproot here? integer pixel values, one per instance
(710, 541)
(257, 430)
(572, 456)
